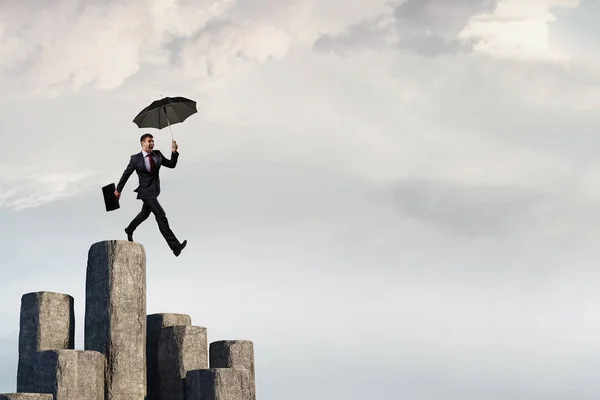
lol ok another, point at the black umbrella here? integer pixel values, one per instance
(165, 112)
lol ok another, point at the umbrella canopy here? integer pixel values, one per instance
(165, 112)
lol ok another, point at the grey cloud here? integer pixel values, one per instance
(225, 45)
(431, 45)
(366, 34)
(440, 15)
(480, 211)
(427, 27)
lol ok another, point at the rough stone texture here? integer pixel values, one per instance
(47, 323)
(69, 374)
(234, 354)
(180, 349)
(115, 315)
(219, 384)
(154, 324)
(25, 396)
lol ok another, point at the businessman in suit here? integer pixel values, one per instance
(147, 165)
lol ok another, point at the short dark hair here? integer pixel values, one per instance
(144, 136)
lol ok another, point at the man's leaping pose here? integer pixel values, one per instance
(147, 164)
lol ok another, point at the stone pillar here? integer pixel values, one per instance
(154, 324)
(47, 323)
(70, 374)
(218, 384)
(180, 349)
(25, 396)
(237, 354)
(115, 315)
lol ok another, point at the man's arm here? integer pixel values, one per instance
(174, 156)
(126, 174)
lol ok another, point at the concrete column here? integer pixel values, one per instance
(219, 384)
(47, 323)
(25, 396)
(115, 315)
(154, 324)
(237, 354)
(180, 349)
(70, 374)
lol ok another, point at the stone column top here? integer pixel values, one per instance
(94, 353)
(47, 293)
(230, 342)
(232, 354)
(117, 242)
(169, 319)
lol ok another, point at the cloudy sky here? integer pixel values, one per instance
(392, 199)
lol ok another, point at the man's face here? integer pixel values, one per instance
(148, 144)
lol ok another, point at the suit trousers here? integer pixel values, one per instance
(153, 206)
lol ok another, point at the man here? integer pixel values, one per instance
(147, 164)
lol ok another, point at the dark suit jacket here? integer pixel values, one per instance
(149, 185)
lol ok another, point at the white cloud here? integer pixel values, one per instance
(517, 29)
(21, 190)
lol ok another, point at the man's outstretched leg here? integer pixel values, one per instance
(141, 217)
(163, 226)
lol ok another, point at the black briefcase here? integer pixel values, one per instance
(110, 200)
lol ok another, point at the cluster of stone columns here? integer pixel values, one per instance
(128, 355)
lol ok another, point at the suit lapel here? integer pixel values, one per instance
(141, 163)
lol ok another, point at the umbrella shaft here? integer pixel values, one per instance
(170, 129)
(167, 117)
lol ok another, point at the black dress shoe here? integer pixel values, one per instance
(177, 251)
(129, 235)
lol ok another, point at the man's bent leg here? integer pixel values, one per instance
(163, 223)
(141, 217)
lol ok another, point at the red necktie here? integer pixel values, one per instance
(152, 165)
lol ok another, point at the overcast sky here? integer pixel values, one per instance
(392, 199)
